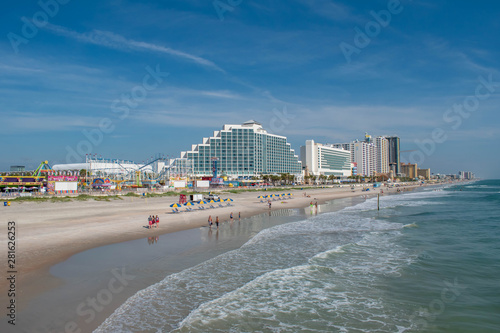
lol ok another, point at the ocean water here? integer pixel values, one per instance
(427, 261)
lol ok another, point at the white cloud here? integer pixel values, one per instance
(33, 122)
(115, 41)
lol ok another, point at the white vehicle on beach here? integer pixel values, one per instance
(212, 197)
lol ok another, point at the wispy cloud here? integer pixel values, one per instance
(118, 42)
(33, 122)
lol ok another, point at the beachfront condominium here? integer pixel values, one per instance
(382, 164)
(424, 173)
(409, 170)
(363, 153)
(244, 150)
(465, 175)
(393, 150)
(325, 160)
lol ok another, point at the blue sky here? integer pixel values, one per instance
(66, 70)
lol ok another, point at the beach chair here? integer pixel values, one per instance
(174, 212)
(212, 206)
(220, 205)
(200, 208)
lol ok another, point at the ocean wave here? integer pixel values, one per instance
(164, 305)
(330, 293)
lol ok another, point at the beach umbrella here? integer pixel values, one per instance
(260, 197)
(175, 205)
(211, 201)
(228, 199)
(189, 203)
(202, 202)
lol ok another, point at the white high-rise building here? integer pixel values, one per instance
(364, 154)
(325, 160)
(243, 151)
(382, 154)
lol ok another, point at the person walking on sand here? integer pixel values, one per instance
(157, 220)
(231, 216)
(150, 221)
(217, 222)
(210, 221)
(239, 215)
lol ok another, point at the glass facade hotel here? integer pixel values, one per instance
(243, 150)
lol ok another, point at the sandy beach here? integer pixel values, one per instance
(49, 233)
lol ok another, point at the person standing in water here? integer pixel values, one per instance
(150, 221)
(157, 220)
(217, 222)
(210, 221)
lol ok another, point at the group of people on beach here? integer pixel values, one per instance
(153, 220)
(217, 222)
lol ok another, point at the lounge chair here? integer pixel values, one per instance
(220, 205)
(212, 206)
(174, 211)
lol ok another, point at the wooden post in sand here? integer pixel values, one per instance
(378, 201)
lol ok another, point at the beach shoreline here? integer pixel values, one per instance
(48, 234)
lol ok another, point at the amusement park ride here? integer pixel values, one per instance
(156, 171)
(32, 181)
(99, 173)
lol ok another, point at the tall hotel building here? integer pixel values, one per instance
(382, 154)
(325, 160)
(244, 150)
(394, 160)
(363, 153)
